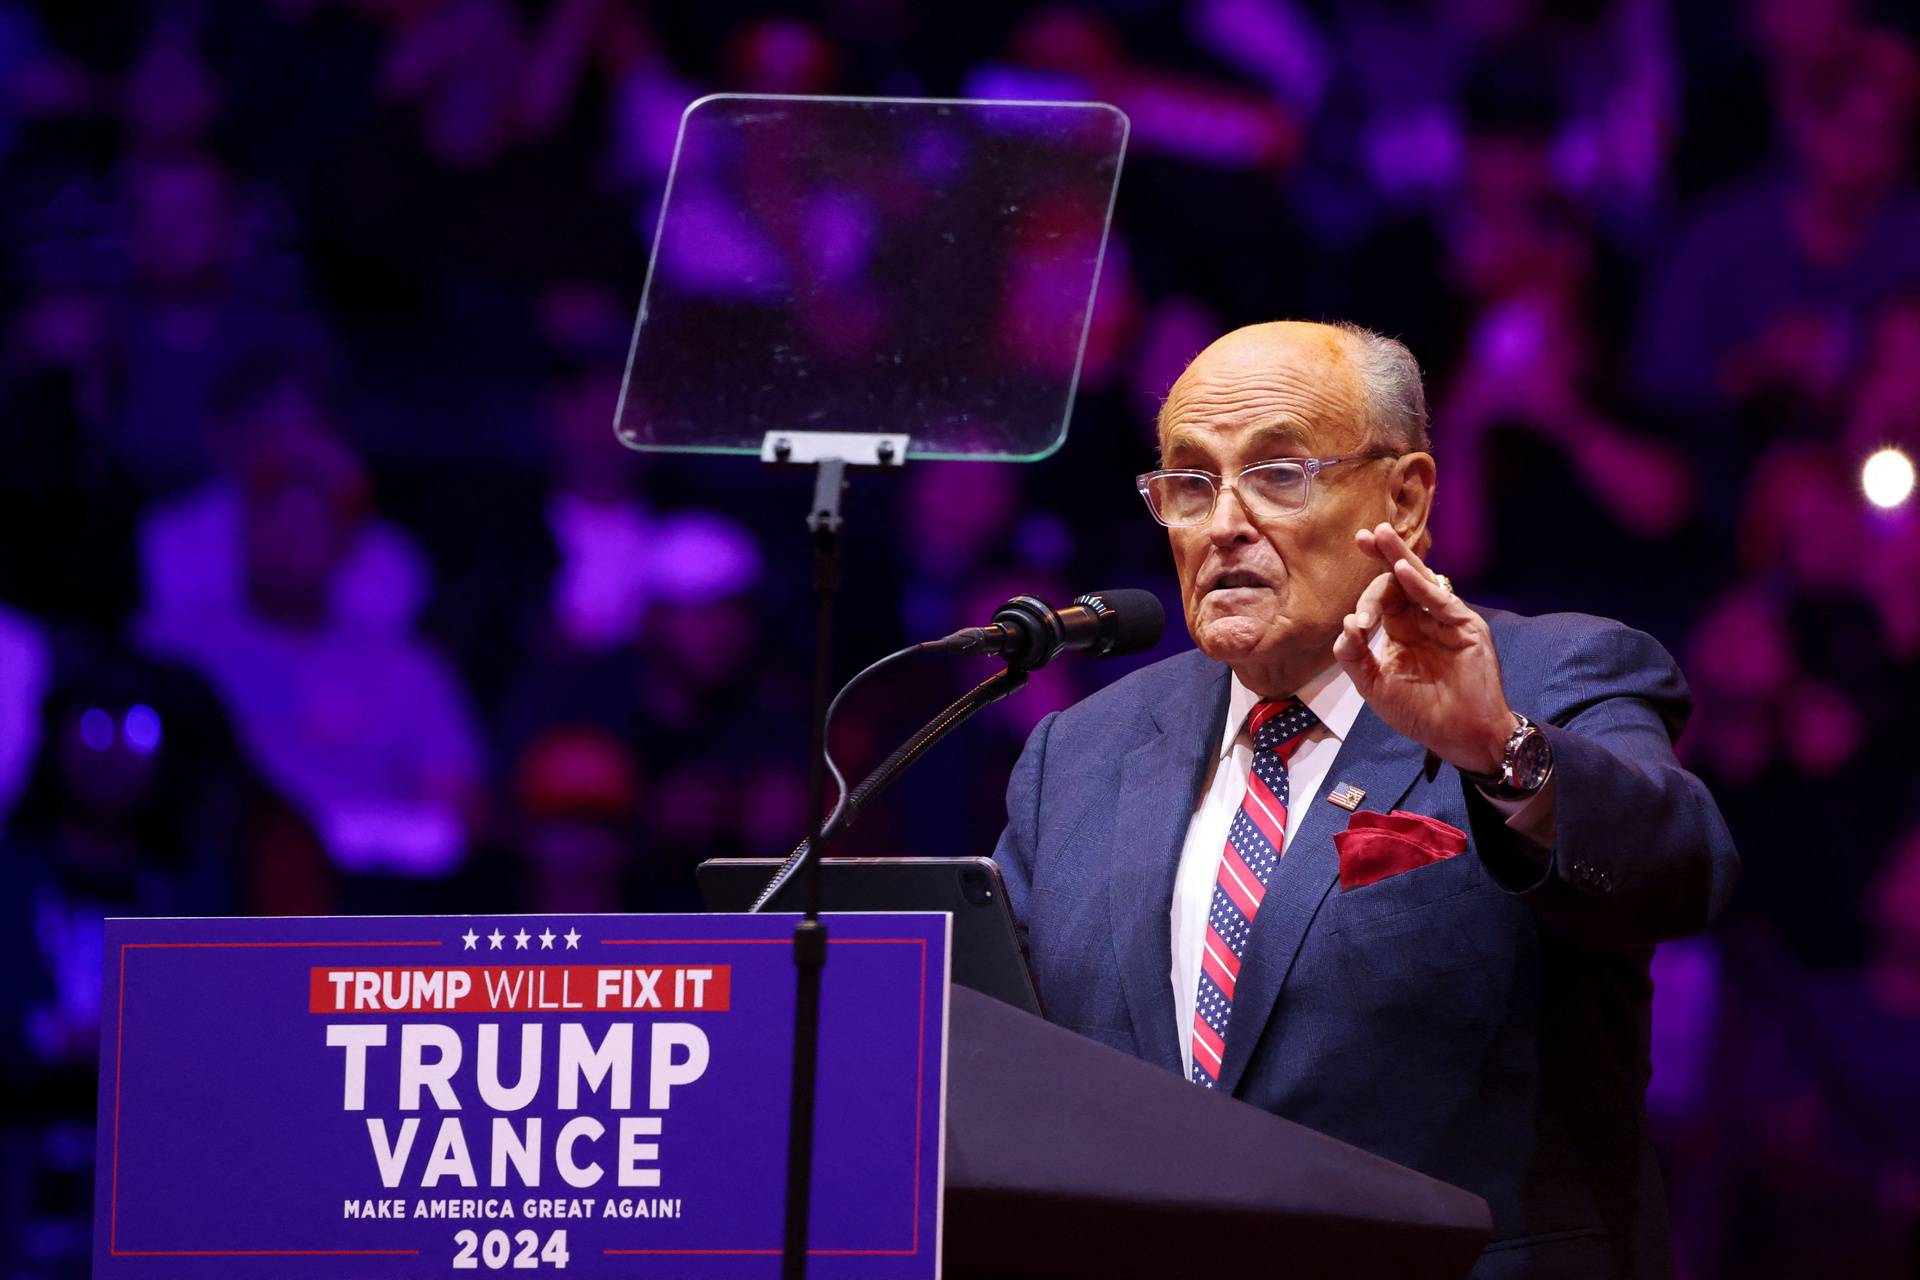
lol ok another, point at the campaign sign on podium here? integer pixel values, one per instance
(564, 1095)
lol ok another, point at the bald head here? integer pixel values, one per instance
(1342, 373)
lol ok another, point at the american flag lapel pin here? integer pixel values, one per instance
(1347, 796)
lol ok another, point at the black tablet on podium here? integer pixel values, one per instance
(987, 955)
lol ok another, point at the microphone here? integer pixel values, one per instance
(1029, 633)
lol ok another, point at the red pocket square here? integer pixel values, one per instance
(1377, 845)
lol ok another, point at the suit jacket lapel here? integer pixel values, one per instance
(1372, 757)
(1160, 782)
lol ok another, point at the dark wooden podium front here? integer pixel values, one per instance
(1066, 1158)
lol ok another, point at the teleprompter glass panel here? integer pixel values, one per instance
(916, 266)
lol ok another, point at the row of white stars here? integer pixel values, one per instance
(497, 940)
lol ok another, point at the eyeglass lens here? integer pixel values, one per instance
(1267, 491)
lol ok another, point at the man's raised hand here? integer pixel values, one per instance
(1436, 679)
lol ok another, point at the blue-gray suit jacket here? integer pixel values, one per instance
(1482, 1019)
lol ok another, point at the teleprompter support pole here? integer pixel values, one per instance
(830, 454)
(810, 935)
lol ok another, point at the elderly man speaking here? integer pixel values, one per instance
(1370, 858)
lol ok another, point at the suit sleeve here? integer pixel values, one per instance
(1014, 853)
(1639, 852)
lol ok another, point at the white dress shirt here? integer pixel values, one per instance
(1332, 697)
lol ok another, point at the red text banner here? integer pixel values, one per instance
(590, 988)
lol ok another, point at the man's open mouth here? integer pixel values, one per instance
(1237, 578)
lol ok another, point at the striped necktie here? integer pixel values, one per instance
(1255, 842)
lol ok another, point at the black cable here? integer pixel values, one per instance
(833, 769)
(840, 805)
(987, 692)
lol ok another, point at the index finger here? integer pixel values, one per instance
(1390, 546)
(1424, 586)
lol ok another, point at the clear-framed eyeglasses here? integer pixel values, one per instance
(1183, 496)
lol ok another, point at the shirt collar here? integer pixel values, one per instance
(1331, 695)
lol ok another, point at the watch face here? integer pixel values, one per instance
(1531, 761)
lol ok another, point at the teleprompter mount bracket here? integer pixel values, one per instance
(853, 448)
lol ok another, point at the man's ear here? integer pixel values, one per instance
(1410, 499)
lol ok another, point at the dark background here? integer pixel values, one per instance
(324, 586)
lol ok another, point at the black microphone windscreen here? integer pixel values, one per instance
(1139, 619)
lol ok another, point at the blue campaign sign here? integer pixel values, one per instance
(568, 1095)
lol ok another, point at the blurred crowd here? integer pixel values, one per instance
(326, 587)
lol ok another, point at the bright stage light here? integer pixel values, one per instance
(1887, 478)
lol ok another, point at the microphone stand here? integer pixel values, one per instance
(1042, 633)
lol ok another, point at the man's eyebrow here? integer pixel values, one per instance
(1286, 433)
(1282, 435)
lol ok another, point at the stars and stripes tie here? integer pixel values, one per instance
(1255, 841)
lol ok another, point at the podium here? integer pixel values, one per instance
(1068, 1159)
(325, 1098)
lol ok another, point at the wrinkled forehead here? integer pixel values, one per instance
(1243, 399)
